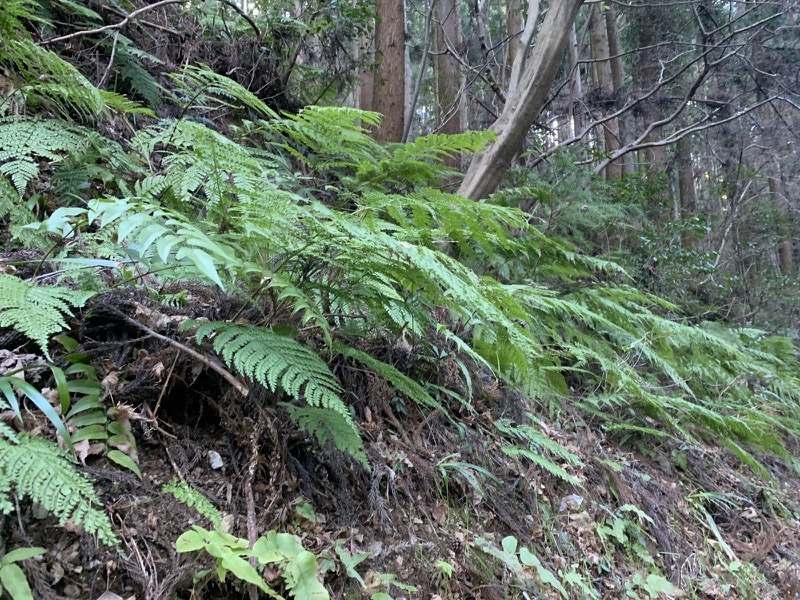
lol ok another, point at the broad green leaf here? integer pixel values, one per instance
(22, 554)
(15, 583)
(125, 461)
(303, 571)
(190, 541)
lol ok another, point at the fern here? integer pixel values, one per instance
(329, 427)
(183, 492)
(36, 311)
(38, 469)
(23, 141)
(277, 361)
(402, 382)
(537, 442)
(200, 82)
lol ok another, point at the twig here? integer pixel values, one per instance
(119, 25)
(210, 363)
(252, 529)
(103, 79)
(244, 16)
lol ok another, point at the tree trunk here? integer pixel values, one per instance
(646, 22)
(618, 79)
(389, 89)
(524, 105)
(686, 192)
(604, 85)
(450, 105)
(785, 249)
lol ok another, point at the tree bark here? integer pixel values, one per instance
(449, 76)
(524, 105)
(686, 191)
(598, 39)
(389, 89)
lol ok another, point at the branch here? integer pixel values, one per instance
(210, 363)
(523, 43)
(119, 25)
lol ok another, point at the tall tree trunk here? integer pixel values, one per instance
(646, 21)
(604, 83)
(524, 105)
(618, 79)
(785, 246)
(389, 90)
(450, 105)
(686, 191)
(576, 86)
(513, 31)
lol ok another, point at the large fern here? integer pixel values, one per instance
(281, 363)
(37, 311)
(38, 469)
(23, 141)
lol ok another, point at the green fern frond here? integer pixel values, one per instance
(277, 361)
(329, 426)
(547, 464)
(36, 311)
(403, 383)
(326, 137)
(128, 62)
(22, 141)
(201, 81)
(420, 162)
(183, 492)
(14, 15)
(274, 360)
(39, 469)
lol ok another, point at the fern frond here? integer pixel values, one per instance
(36, 311)
(200, 81)
(401, 381)
(22, 141)
(329, 426)
(183, 492)
(39, 469)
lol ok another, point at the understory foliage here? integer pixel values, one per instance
(335, 242)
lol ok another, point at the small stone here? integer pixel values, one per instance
(215, 460)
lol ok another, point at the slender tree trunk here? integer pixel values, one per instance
(686, 191)
(646, 22)
(450, 105)
(524, 105)
(785, 246)
(364, 90)
(576, 86)
(618, 79)
(513, 30)
(605, 85)
(389, 90)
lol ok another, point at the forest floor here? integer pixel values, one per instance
(647, 517)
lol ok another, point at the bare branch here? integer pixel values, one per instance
(119, 25)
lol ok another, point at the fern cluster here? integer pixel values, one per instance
(38, 311)
(359, 243)
(38, 469)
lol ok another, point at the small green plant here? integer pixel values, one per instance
(514, 557)
(185, 493)
(12, 577)
(627, 533)
(463, 472)
(653, 584)
(297, 565)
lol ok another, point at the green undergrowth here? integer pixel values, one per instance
(335, 243)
